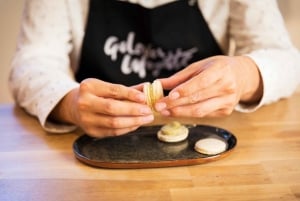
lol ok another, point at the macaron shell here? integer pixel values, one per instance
(153, 92)
(172, 138)
(147, 92)
(210, 146)
(157, 90)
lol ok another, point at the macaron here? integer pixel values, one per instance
(153, 92)
(173, 132)
(210, 146)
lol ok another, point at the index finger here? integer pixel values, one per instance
(111, 90)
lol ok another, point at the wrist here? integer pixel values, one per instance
(63, 111)
(252, 90)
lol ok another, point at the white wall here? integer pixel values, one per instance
(10, 14)
(290, 11)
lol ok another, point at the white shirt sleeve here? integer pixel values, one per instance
(260, 33)
(41, 73)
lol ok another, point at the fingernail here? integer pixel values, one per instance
(160, 106)
(165, 113)
(148, 119)
(141, 97)
(145, 110)
(174, 95)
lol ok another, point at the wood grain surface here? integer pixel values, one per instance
(265, 165)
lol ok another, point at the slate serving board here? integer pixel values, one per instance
(142, 149)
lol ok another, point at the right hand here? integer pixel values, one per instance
(103, 109)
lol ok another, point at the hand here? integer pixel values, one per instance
(211, 87)
(103, 109)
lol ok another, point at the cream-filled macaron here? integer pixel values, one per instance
(210, 146)
(173, 132)
(153, 92)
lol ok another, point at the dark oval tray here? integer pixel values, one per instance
(142, 149)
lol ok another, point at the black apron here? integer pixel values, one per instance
(128, 44)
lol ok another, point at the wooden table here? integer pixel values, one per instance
(265, 165)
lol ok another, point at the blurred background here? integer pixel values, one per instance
(11, 12)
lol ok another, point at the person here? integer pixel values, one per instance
(83, 63)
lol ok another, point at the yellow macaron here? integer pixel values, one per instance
(153, 92)
(173, 132)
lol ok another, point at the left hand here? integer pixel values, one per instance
(211, 87)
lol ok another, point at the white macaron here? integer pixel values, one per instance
(210, 146)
